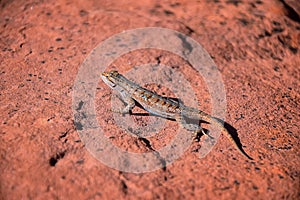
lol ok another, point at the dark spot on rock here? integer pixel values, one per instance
(168, 12)
(244, 22)
(124, 187)
(64, 134)
(78, 126)
(58, 39)
(157, 6)
(21, 85)
(190, 30)
(54, 159)
(80, 161)
(236, 182)
(267, 33)
(146, 142)
(83, 13)
(80, 105)
(85, 23)
(291, 12)
(225, 188)
(275, 57)
(175, 4)
(276, 68)
(123, 45)
(293, 49)
(277, 30)
(276, 23)
(234, 2)
(185, 43)
(158, 59)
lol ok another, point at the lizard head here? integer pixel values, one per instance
(110, 78)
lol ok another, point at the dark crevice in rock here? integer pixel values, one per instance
(54, 159)
(291, 12)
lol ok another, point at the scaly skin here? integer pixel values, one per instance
(161, 106)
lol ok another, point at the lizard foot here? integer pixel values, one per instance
(196, 135)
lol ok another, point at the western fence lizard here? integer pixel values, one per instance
(133, 94)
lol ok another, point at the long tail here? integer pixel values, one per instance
(220, 124)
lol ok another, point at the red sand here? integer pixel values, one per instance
(255, 45)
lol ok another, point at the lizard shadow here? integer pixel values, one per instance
(231, 130)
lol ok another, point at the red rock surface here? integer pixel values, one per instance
(255, 45)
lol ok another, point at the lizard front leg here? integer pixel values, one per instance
(130, 104)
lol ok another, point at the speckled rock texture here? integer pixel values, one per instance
(254, 43)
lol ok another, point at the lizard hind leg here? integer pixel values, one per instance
(192, 127)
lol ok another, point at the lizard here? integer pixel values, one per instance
(132, 94)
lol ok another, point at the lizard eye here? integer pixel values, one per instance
(114, 73)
